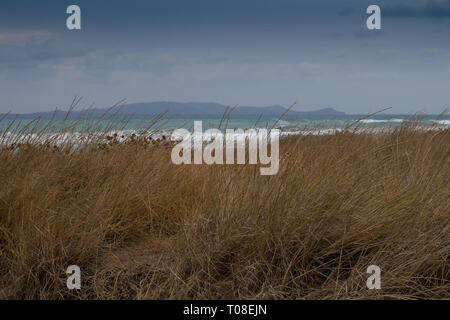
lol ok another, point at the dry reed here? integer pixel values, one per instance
(142, 228)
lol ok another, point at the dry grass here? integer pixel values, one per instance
(142, 228)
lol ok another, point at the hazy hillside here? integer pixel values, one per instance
(191, 109)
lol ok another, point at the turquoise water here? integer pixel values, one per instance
(29, 125)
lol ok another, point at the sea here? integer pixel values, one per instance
(30, 129)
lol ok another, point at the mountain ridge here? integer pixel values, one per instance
(189, 109)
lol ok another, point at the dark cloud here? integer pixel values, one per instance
(245, 52)
(432, 9)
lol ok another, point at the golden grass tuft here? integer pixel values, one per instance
(142, 228)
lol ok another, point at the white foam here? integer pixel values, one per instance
(380, 121)
(444, 122)
(79, 139)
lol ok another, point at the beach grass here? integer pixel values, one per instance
(141, 227)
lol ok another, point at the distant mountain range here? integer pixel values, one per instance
(189, 110)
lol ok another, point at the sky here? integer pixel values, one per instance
(318, 53)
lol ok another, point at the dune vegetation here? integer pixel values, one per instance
(141, 227)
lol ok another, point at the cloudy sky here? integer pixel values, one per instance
(318, 53)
